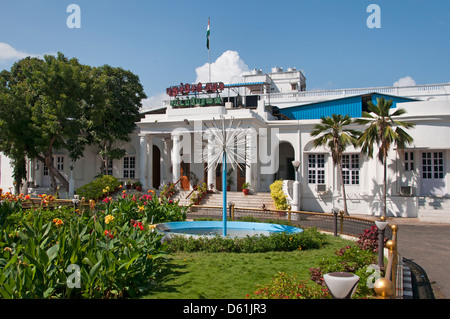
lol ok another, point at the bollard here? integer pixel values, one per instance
(335, 212)
(341, 213)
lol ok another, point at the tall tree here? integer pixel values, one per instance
(64, 87)
(333, 133)
(42, 106)
(384, 131)
(16, 129)
(118, 94)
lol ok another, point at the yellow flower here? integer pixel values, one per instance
(109, 218)
(141, 208)
(105, 191)
(152, 227)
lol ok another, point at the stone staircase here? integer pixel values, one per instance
(434, 209)
(240, 200)
(181, 196)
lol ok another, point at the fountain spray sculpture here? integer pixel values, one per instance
(227, 145)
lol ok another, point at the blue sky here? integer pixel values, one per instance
(164, 42)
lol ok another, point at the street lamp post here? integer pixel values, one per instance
(296, 187)
(381, 225)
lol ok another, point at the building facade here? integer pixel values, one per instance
(174, 144)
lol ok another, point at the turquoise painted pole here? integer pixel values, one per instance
(224, 190)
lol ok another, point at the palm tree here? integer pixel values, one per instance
(336, 137)
(384, 131)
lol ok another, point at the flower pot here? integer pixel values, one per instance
(246, 191)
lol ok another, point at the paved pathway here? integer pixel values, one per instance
(428, 245)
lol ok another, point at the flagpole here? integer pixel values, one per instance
(209, 54)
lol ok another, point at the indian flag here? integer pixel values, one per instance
(207, 36)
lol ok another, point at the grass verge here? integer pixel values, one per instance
(201, 275)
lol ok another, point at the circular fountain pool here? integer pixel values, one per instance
(214, 228)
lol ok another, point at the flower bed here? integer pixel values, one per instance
(106, 250)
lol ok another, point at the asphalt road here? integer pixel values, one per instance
(428, 245)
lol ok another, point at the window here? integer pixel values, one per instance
(316, 168)
(409, 161)
(350, 169)
(60, 163)
(129, 167)
(432, 165)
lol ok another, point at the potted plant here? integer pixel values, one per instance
(129, 184)
(246, 188)
(138, 186)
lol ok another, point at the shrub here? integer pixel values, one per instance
(308, 239)
(98, 187)
(368, 240)
(348, 259)
(278, 195)
(283, 286)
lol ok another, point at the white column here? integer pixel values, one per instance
(250, 171)
(167, 162)
(211, 171)
(143, 159)
(176, 158)
(149, 167)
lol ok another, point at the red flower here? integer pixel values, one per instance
(137, 224)
(109, 234)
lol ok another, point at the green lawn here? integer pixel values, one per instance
(232, 275)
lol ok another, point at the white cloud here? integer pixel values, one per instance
(228, 68)
(8, 53)
(155, 101)
(405, 81)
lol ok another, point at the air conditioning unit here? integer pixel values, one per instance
(321, 188)
(405, 190)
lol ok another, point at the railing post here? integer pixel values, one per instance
(394, 255)
(232, 211)
(289, 215)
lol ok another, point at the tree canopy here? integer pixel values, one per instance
(55, 104)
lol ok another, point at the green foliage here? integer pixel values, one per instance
(98, 187)
(308, 239)
(56, 103)
(113, 244)
(278, 196)
(284, 286)
(348, 259)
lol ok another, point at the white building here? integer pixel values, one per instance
(279, 114)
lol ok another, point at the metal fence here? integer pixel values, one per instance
(335, 223)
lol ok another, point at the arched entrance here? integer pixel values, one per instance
(286, 155)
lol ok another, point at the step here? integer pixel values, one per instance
(434, 203)
(240, 200)
(434, 216)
